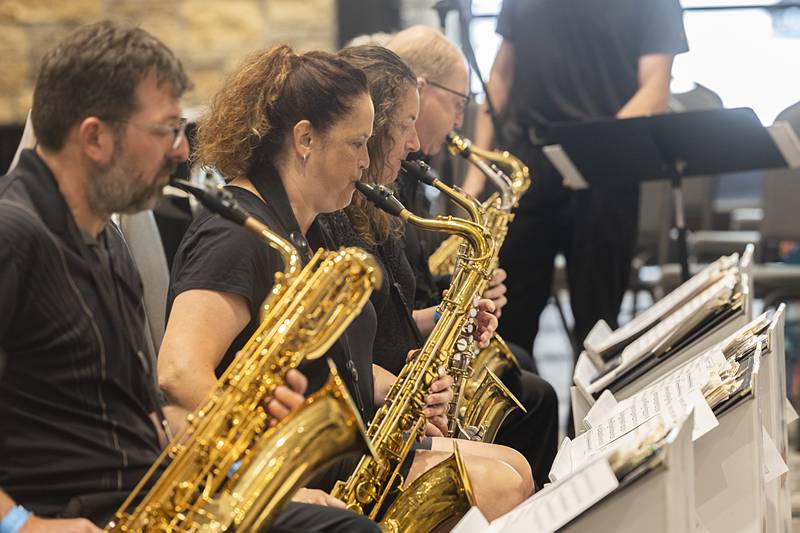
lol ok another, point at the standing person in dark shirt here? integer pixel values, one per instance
(78, 396)
(290, 132)
(438, 64)
(570, 60)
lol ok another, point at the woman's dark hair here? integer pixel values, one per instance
(95, 72)
(388, 78)
(261, 102)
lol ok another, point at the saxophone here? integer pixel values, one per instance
(444, 492)
(510, 175)
(229, 468)
(483, 401)
(465, 350)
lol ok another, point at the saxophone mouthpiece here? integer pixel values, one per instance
(216, 199)
(382, 197)
(419, 171)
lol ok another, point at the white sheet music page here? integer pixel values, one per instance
(634, 352)
(774, 465)
(559, 503)
(671, 397)
(618, 432)
(663, 307)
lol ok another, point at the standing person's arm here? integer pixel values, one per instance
(499, 89)
(655, 72)
(662, 38)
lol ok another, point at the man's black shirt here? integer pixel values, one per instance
(578, 59)
(77, 391)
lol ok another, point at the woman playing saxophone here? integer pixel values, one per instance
(290, 131)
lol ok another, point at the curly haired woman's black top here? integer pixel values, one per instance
(396, 332)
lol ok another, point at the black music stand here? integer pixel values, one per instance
(673, 146)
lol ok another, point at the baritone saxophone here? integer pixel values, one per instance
(229, 468)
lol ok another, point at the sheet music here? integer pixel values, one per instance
(663, 307)
(692, 376)
(664, 405)
(554, 507)
(704, 302)
(572, 176)
(605, 406)
(773, 464)
(610, 436)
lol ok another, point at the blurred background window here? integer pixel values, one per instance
(746, 51)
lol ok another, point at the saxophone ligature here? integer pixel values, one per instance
(230, 467)
(444, 493)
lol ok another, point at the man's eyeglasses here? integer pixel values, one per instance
(178, 132)
(464, 97)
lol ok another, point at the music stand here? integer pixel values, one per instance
(611, 152)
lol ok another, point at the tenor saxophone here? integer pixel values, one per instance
(229, 468)
(480, 400)
(444, 494)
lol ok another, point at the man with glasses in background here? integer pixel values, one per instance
(442, 77)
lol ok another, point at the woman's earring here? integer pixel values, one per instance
(305, 156)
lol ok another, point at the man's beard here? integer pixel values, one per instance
(120, 187)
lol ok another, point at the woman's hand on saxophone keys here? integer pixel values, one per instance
(496, 291)
(485, 322)
(437, 401)
(317, 497)
(287, 399)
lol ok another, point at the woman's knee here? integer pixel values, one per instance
(498, 487)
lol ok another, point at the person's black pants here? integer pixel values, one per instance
(594, 228)
(534, 434)
(295, 517)
(306, 518)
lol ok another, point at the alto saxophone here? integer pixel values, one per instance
(229, 468)
(483, 401)
(444, 492)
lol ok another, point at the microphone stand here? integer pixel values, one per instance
(464, 9)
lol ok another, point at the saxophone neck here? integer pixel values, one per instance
(422, 172)
(288, 253)
(219, 200)
(461, 146)
(479, 240)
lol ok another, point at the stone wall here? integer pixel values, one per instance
(210, 36)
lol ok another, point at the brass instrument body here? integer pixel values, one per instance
(485, 400)
(401, 420)
(438, 496)
(209, 482)
(305, 442)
